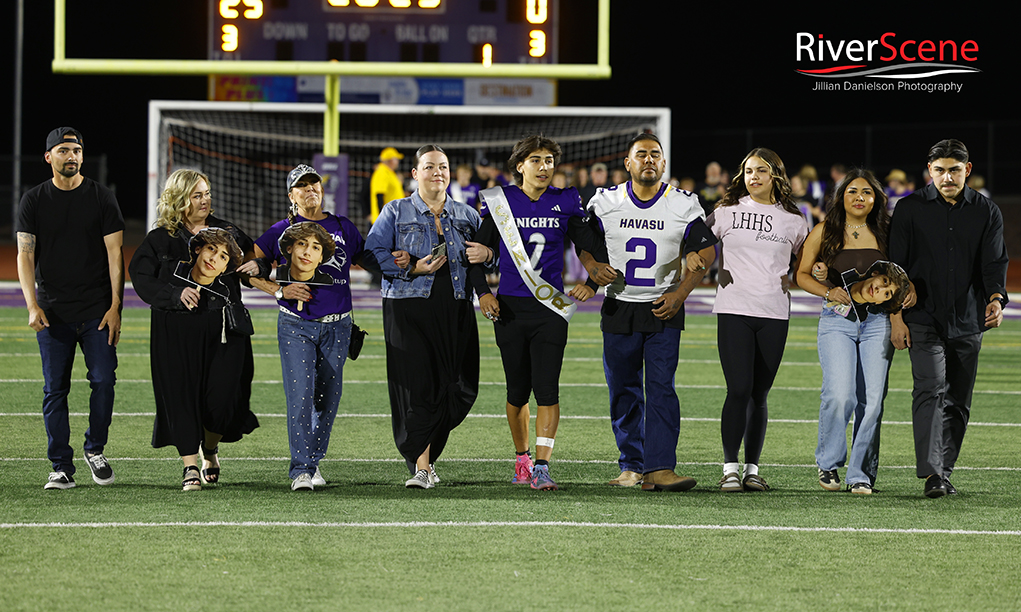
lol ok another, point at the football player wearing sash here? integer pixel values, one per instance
(646, 223)
(527, 224)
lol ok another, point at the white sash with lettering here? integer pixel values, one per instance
(548, 295)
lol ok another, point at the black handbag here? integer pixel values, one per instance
(354, 348)
(237, 319)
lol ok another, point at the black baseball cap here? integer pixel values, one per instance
(62, 135)
(300, 172)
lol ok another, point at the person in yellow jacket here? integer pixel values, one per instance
(385, 186)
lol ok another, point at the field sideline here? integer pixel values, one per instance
(476, 542)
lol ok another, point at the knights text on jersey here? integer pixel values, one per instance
(644, 240)
(543, 228)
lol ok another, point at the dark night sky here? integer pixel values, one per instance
(722, 68)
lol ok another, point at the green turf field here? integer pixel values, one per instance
(476, 542)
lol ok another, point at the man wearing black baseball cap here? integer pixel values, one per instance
(71, 268)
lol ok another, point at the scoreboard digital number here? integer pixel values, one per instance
(450, 31)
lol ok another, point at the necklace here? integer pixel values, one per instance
(854, 227)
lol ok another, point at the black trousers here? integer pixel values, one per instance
(944, 372)
(751, 349)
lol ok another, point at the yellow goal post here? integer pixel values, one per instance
(331, 69)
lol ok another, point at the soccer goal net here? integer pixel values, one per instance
(248, 149)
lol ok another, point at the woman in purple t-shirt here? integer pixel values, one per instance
(314, 326)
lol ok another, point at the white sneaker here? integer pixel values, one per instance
(419, 481)
(433, 476)
(317, 478)
(302, 482)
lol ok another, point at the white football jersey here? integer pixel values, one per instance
(644, 240)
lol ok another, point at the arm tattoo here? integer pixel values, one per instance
(26, 243)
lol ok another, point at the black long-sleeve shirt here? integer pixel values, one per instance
(955, 256)
(157, 259)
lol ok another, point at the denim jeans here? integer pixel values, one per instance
(855, 358)
(57, 345)
(312, 357)
(644, 410)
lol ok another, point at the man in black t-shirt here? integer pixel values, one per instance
(71, 268)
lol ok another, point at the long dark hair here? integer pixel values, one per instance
(781, 184)
(878, 220)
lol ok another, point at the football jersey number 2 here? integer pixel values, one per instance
(538, 242)
(634, 265)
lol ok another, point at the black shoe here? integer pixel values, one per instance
(102, 473)
(211, 475)
(59, 480)
(861, 488)
(829, 480)
(935, 487)
(951, 489)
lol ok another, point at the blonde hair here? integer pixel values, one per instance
(172, 207)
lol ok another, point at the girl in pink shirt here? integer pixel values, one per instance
(760, 229)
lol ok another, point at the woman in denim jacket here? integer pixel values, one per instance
(432, 339)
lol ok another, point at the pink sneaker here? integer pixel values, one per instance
(522, 470)
(541, 479)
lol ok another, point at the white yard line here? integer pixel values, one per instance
(514, 524)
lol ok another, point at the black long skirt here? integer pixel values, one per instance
(199, 382)
(432, 367)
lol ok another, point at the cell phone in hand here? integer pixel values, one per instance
(439, 250)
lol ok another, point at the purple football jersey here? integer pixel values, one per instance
(543, 229)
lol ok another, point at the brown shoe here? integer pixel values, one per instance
(666, 480)
(626, 479)
(754, 482)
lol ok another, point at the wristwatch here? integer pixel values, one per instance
(279, 293)
(1002, 300)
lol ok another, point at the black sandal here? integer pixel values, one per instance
(211, 474)
(191, 480)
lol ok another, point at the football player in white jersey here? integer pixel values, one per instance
(646, 224)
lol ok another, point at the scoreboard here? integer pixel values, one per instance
(484, 32)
